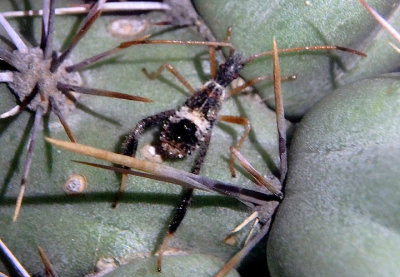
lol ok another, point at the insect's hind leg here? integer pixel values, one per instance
(131, 143)
(180, 210)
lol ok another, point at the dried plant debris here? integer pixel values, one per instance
(44, 80)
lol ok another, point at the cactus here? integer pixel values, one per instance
(77, 232)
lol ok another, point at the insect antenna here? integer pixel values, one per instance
(140, 41)
(228, 39)
(211, 53)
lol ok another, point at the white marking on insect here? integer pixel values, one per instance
(149, 152)
(194, 116)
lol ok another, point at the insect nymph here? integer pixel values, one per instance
(189, 127)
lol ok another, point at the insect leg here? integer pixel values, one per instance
(228, 39)
(171, 69)
(257, 80)
(131, 142)
(179, 214)
(246, 124)
(211, 53)
(184, 203)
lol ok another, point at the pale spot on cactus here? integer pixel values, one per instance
(75, 184)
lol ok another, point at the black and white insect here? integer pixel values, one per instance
(189, 127)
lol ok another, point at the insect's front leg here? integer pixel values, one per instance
(184, 203)
(131, 142)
